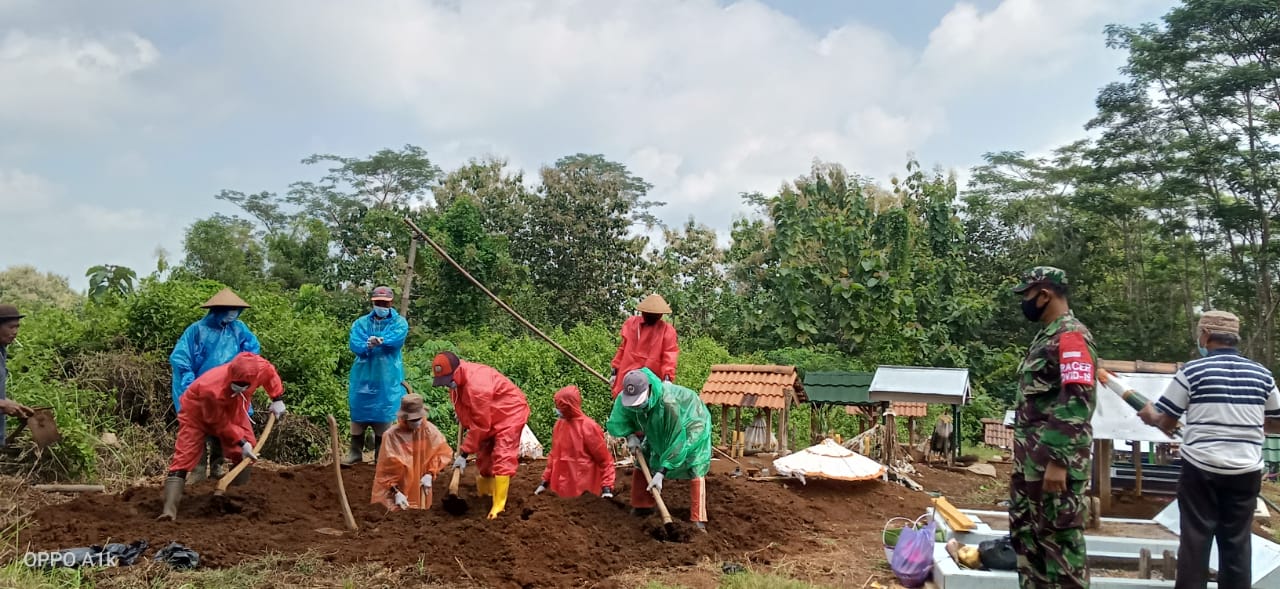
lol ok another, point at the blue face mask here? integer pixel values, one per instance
(228, 317)
(381, 312)
(1203, 350)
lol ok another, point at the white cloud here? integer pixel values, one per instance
(22, 192)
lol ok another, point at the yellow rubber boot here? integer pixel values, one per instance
(484, 486)
(501, 484)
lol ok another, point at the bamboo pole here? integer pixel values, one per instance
(337, 471)
(443, 254)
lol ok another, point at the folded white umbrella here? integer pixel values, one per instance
(829, 460)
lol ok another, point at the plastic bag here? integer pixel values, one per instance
(912, 559)
(998, 555)
(178, 557)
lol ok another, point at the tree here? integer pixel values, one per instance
(224, 249)
(31, 289)
(689, 271)
(108, 281)
(577, 240)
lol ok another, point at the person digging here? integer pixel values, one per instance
(10, 320)
(580, 461)
(672, 428)
(494, 411)
(375, 384)
(413, 453)
(216, 405)
(210, 342)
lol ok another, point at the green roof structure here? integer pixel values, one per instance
(839, 387)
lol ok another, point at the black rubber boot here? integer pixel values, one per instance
(172, 496)
(377, 448)
(356, 453)
(216, 460)
(202, 466)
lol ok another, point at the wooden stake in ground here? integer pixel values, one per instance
(244, 461)
(337, 471)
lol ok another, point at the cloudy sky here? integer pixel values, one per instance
(120, 120)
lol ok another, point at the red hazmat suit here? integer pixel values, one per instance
(580, 461)
(406, 455)
(646, 346)
(209, 408)
(493, 410)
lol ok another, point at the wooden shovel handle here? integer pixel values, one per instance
(337, 470)
(662, 507)
(244, 461)
(457, 474)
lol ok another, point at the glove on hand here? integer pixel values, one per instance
(460, 462)
(277, 407)
(401, 501)
(246, 450)
(634, 442)
(656, 483)
(426, 481)
(541, 488)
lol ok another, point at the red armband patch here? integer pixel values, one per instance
(1074, 359)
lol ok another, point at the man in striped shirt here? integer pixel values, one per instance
(1230, 402)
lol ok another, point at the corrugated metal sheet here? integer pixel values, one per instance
(917, 384)
(745, 385)
(838, 387)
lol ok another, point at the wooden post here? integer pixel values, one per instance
(1103, 457)
(768, 429)
(955, 435)
(724, 423)
(784, 423)
(737, 422)
(813, 423)
(890, 439)
(911, 432)
(408, 278)
(1137, 467)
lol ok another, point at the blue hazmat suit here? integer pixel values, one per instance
(208, 343)
(376, 377)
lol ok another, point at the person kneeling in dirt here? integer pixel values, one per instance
(413, 453)
(580, 461)
(216, 405)
(494, 411)
(672, 428)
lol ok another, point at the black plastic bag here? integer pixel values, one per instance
(998, 555)
(111, 555)
(178, 557)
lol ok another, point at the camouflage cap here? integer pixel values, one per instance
(1041, 275)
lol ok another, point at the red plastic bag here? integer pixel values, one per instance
(912, 560)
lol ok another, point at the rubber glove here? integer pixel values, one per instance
(634, 442)
(277, 407)
(541, 488)
(371, 342)
(613, 377)
(426, 481)
(656, 483)
(401, 501)
(460, 462)
(246, 450)
(606, 493)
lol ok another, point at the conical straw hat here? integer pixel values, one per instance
(654, 303)
(225, 298)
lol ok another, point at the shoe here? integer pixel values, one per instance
(642, 511)
(484, 486)
(500, 486)
(172, 497)
(355, 454)
(702, 527)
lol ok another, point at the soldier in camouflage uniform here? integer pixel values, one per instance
(1052, 438)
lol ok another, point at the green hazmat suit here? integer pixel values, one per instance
(676, 427)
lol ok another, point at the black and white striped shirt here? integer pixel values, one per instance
(1226, 398)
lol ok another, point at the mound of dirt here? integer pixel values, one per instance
(539, 541)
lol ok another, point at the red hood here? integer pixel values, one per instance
(569, 402)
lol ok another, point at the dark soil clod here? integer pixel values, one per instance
(671, 532)
(455, 505)
(524, 515)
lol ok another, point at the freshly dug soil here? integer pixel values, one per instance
(539, 541)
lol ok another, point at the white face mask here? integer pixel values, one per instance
(237, 389)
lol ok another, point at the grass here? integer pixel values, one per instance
(983, 452)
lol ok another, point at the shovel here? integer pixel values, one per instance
(43, 426)
(667, 525)
(226, 479)
(453, 504)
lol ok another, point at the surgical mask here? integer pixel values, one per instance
(1032, 312)
(1203, 350)
(382, 312)
(239, 389)
(229, 317)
